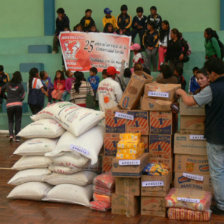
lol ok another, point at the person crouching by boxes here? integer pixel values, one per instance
(212, 97)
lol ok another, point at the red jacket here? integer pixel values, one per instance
(59, 84)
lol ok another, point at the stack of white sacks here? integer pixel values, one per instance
(63, 142)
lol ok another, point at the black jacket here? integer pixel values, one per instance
(123, 21)
(61, 25)
(150, 40)
(86, 23)
(141, 22)
(174, 50)
(214, 122)
(157, 20)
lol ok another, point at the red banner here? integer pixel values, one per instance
(81, 51)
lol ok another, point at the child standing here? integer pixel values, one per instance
(138, 58)
(48, 85)
(155, 18)
(87, 21)
(164, 37)
(68, 84)
(15, 95)
(151, 43)
(193, 85)
(94, 80)
(124, 21)
(108, 18)
(139, 24)
(59, 86)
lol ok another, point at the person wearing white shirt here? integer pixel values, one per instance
(109, 91)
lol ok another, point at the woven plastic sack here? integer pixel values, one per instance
(63, 169)
(36, 147)
(73, 118)
(69, 193)
(45, 128)
(30, 191)
(30, 175)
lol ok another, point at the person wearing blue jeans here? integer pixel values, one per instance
(212, 97)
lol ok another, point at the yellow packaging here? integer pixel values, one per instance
(129, 151)
(127, 144)
(130, 136)
(128, 156)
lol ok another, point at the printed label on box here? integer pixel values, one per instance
(193, 177)
(191, 200)
(159, 94)
(197, 137)
(152, 183)
(79, 149)
(129, 162)
(124, 116)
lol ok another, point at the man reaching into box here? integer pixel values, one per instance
(212, 97)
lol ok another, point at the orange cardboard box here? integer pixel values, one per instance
(107, 163)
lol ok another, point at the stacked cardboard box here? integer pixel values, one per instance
(153, 192)
(191, 162)
(126, 200)
(119, 121)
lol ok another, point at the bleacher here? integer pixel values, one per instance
(20, 54)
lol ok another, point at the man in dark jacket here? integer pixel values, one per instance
(155, 18)
(124, 21)
(62, 24)
(212, 97)
(4, 78)
(139, 25)
(87, 21)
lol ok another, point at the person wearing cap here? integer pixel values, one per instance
(109, 91)
(108, 18)
(155, 18)
(139, 25)
(124, 21)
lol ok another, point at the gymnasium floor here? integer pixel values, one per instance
(31, 212)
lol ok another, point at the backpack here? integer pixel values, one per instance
(221, 48)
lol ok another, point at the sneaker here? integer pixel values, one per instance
(11, 138)
(17, 139)
(217, 211)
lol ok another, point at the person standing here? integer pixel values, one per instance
(109, 91)
(164, 37)
(36, 92)
(175, 51)
(139, 25)
(212, 48)
(62, 24)
(155, 18)
(4, 78)
(124, 21)
(15, 95)
(108, 18)
(212, 97)
(151, 43)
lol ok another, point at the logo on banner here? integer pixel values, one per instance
(71, 49)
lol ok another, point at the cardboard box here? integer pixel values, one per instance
(130, 186)
(155, 185)
(160, 146)
(155, 104)
(107, 163)
(123, 168)
(192, 164)
(111, 140)
(167, 162)
(153, 206)
(161, 123)
(181, 181)
(161, 91)
(191, 110)
(192, 124)
(125, 205)
(125, 121)
(189, 144)
(133, 92)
